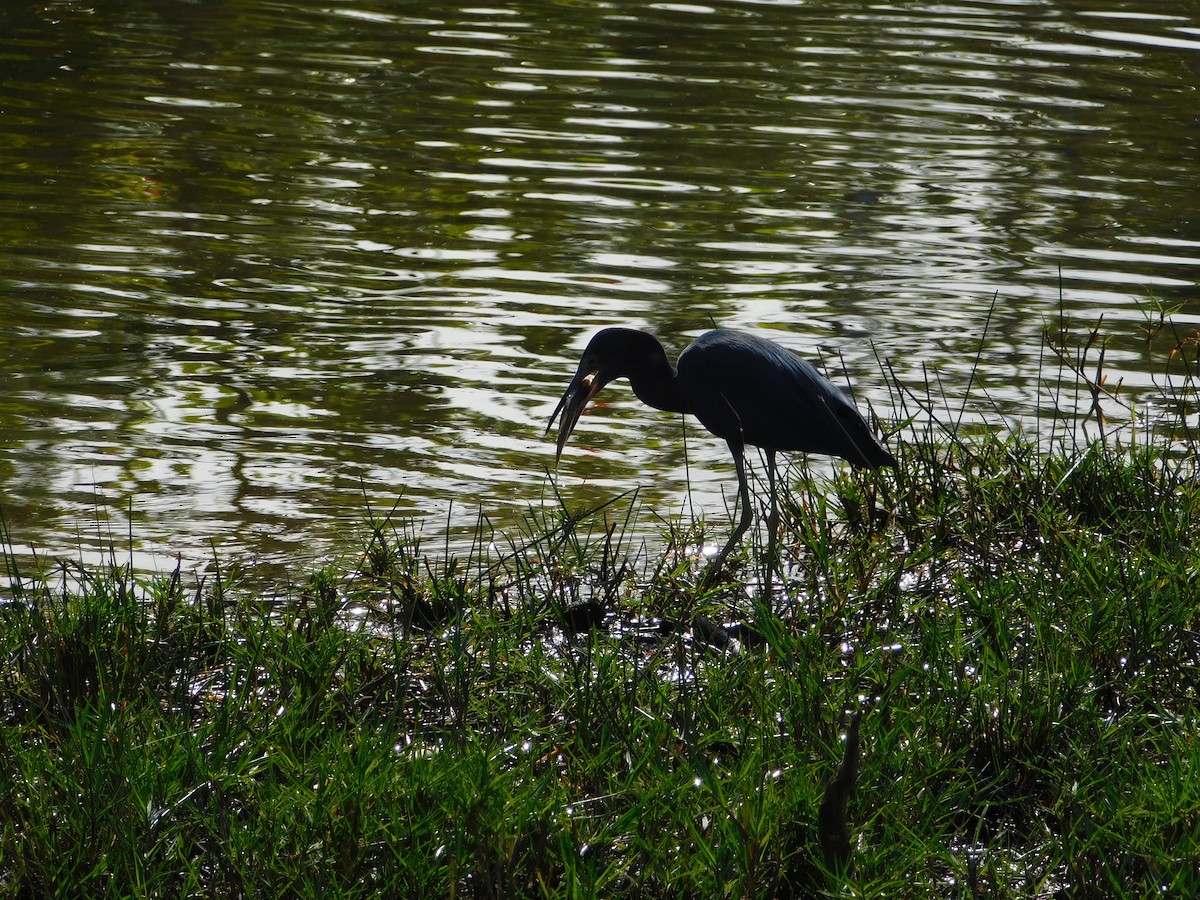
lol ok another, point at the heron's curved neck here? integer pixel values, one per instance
(660, 388)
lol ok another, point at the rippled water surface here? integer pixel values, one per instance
(267, 264)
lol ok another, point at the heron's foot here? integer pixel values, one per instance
(716, 573)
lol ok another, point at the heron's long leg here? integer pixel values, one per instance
(747, 511)
(772, 526)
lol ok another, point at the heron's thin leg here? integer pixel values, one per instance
(772, 526)
(747, 511)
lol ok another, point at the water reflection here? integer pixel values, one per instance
(265, 263)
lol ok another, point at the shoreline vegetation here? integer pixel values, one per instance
(979, 678)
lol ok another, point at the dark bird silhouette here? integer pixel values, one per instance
(742, 388)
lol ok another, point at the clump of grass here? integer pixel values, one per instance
(1007, 633)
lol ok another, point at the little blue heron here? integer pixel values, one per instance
(742, 388)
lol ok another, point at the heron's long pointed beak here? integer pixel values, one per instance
(582, 389)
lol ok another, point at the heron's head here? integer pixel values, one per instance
(611, 353)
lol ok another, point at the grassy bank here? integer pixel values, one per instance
(1014, 632)
(1019, 634)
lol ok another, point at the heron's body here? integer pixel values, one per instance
(749, 390)
(742, 388)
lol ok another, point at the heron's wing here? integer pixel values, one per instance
(743, 387)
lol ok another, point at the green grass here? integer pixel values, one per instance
(1016, 626)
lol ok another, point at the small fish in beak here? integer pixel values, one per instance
(582, 389)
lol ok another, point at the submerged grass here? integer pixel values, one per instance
(1012, 635)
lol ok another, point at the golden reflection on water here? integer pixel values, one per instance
(262, 273)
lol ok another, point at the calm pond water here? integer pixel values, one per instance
(265, 265)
